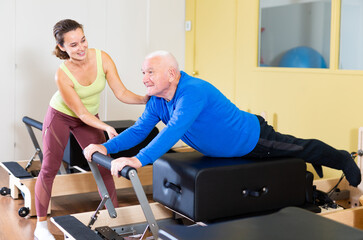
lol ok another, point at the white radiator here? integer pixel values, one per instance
(356, 193)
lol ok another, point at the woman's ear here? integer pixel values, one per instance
(61, 48)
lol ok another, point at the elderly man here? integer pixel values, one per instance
(196, 112)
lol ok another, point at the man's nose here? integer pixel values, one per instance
(145, 79)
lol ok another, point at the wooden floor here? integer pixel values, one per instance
(12, 226)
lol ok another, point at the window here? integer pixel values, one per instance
(351, 35)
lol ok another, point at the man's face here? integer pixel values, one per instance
(156, 77)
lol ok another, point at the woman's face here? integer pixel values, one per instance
(75, 44)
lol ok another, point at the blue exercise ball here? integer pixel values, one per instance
(302, 57)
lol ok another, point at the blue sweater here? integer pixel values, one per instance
(200, 115)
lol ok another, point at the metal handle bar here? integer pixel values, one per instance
(33, 123)
(105, 161)
(29, 123)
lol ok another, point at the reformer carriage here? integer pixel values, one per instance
(207, 198)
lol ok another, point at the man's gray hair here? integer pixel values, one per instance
(165, 55)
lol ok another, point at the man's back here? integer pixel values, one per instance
(205, 119)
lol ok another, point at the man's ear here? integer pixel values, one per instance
(172, 74)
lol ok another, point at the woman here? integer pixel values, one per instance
(73, 108)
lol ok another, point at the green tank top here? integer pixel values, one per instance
(89, 95)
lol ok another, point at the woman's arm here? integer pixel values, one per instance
(72, 100)
(115, 83)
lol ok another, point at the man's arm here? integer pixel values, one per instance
(128, 138)
(183, 117)
(187, 110)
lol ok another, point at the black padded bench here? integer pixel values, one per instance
(205, 189)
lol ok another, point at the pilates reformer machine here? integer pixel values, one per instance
(199, 197)
(71, 180)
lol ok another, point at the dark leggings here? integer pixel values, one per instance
(274, 144)
(56, 129)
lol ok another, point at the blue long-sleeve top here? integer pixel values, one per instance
(200, 115)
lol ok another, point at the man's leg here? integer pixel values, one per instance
(316, 152)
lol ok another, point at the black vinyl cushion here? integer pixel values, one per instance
(17, 170)
(75, 228)
(204, 188)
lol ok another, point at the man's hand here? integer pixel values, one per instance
(119, 163)
(92, 148)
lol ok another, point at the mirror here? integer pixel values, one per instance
(294, 33)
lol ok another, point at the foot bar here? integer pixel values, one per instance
(131, 174)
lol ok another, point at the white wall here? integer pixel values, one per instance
(126, 30)
(7, 79)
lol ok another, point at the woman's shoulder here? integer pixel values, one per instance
(61, 77)
(104, 56)
(92, 52)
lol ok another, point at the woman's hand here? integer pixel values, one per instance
(146, 98)
(111, 132)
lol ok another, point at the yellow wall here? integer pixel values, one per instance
(308, 103)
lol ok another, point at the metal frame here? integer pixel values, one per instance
(128, 173)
